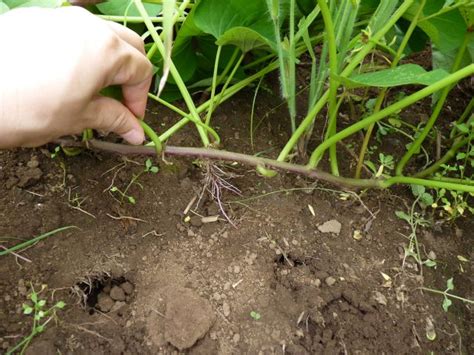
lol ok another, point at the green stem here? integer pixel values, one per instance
(333, 82)
(173, 70)
(214, 84)
(153, 137)
(226, 84)
(186, 118)
(383, 92)
(463, 117)
(34, 240)
(451, 153)
(358, 58)
(406, 180)
(415, 147)
(135, 19)
(444, 293)
(407, 101)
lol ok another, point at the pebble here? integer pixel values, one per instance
(227, 286)
(117, 294)
(196, 221)
(236, 338)
(226, 309)
(127, 287)
(33, 163)
(330, 281)
(105, 302)
(332, 226)
(236, 269)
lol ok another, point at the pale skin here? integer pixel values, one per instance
(54, 63)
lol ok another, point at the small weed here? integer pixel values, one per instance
(255, 315)
(447, 302)
(415, 220)
(149, 168)
(41, 317)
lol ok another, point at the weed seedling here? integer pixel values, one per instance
(149, 168)
(255, 315)
(447, 302)
(41, 317)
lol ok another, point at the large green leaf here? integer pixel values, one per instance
(446, 31)
(217, 17)
(407, 74)
(126, 8)
(244, 38)
(30, 3)
(3, 7)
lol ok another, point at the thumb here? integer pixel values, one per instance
(109, 115)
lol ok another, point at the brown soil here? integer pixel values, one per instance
(158, 282)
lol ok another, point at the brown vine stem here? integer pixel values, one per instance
(215, 154)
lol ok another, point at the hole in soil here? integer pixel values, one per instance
(92, 288)
(281, 260)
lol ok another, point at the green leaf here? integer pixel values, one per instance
(446, 31)
(255, 315)
(446, 304)
(402, 215)
(32, 3)
(122, 8)
(427, 199)
(407, 74)
(40, 328)
(430, 263)
(417, 190)
(132, 200)
(27, 309)
(460, 156)
(3, 8)
(60, 305)
(244, 38)
(217, 17)
(148, 164)
(450, 284)
(41, 303)
(154, 169)
(34, 297)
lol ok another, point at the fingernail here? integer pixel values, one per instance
(134, 137)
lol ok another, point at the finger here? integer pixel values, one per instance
(127, 35)
(110, 115)
(133, 71)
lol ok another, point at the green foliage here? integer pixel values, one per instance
(36, 307)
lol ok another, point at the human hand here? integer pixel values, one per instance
(53, 64)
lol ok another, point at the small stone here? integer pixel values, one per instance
(236, 338)
(330, 281)
(7, 298)
(105, 302)
(196, 221)
(226, 309)
(332, 226)
(236, 269)
(127, 287)
(380, 298)
(213, 335)
(117, 294)
(317, 282)
(227, 286)
(216, 296)
(191, 233)
(33, 163)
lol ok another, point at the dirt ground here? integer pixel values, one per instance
(151, 279)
